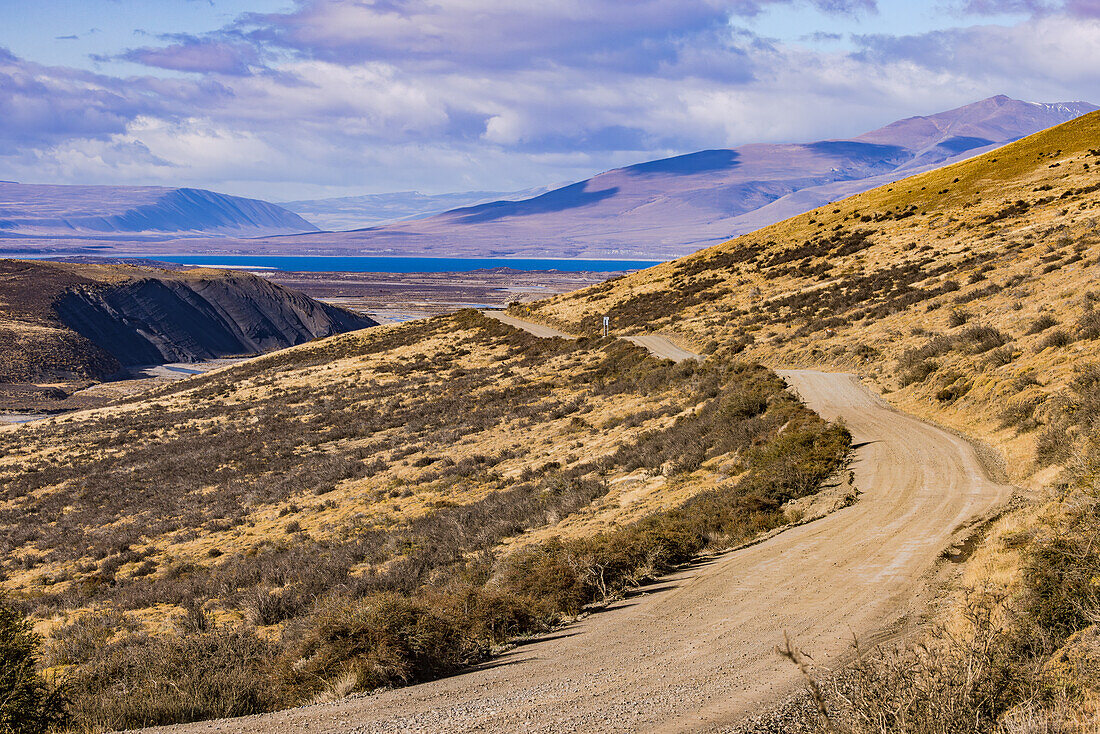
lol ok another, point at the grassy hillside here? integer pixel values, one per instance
(377, 508)
(968, 292)
(969, 296)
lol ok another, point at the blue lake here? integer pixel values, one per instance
(303, 263)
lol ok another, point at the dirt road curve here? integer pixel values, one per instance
(662, 347)
(696, 653)
(659, 346)
(537, 329)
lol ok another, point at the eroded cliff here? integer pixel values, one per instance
(65, 322)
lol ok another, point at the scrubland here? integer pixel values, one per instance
(378, 508)
(968, 296)
(386, 507)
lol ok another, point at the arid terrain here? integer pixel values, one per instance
(404, 473)
(967, 294)
(390, 297)
(696, 652)
(509, 522)
(967, 297)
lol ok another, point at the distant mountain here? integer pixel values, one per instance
(356, 212)
(658, 209)
(674, 206)
(75, 211)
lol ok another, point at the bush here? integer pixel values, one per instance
(28, 704)
(952, 683)
(1001, 356)
(1019, 414)
(981, 339)
(1041, 324)
(953, 391)
(1088, 326)
(915, 369)
(383, 639)
(1057, 339)
(957, 317)
(138, 680)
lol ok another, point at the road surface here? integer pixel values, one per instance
(697, 652)
(537, 329)
(658, 346)
(663, 347)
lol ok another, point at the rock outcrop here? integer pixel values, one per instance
(79, 322)
(157, 320)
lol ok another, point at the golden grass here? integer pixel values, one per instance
(394, 495)
(953, 207)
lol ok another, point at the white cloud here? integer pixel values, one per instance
(351, 97)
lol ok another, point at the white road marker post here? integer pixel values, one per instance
(606, 326)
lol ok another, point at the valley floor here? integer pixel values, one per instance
(698, 651)
(394, 297)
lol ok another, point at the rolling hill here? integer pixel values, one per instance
(948, 286)
(967, 295)
(378, 508)
(356, 212)
(33, 210)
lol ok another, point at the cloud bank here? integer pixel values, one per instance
(350, 96)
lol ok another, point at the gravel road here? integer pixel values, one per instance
(658, 346)
(696, 652)
(663, 347)
(537, 329)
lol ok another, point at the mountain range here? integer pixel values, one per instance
(653, 210)
(369, 210)
(674, 206)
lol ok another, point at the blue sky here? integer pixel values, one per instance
(74, 32)
(289, 99)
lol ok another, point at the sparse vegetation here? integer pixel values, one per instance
(1041, 324)
(306, 527)
(974, 307)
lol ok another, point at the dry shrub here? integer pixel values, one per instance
(138, 680)
(1057, 339)
(1088, 326)
(1041, 324)
(1020, 414)
(951, 683)
(384, 639)
(1021, 664)
(979, 339)
(957, 317)
(918, 363)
